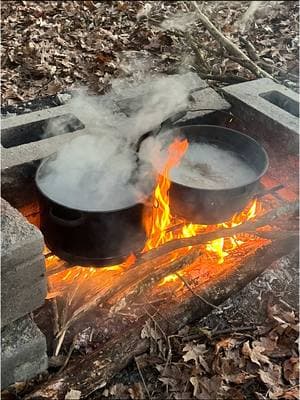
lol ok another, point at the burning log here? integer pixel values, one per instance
(249, 227)
(95, 370)
(155, 264)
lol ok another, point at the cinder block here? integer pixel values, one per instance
(23, 352)
(22, 126)
(269, 109)
(21, 241)
(23, 275)
(15, 305)
(207, 100)
(23, 280)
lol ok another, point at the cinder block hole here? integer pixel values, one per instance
(282, 101)
(35, 131)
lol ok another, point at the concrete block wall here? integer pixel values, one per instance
(23, 289)
(23, 280)
(23, 352)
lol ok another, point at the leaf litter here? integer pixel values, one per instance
(236, 366)
(52, 46)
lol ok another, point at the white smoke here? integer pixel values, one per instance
(100, 170)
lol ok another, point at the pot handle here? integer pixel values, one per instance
(71, 222)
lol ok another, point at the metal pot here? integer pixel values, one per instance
(211, 206)
(86, 237)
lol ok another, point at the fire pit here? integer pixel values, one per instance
(183, 271)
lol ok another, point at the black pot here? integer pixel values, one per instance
(90, 237)
(211, 206)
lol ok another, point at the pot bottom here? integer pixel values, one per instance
(86, 261)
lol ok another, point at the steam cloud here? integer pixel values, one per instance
(99, 170)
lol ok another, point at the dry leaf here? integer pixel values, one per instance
(149, 332)
(196, 352)
(255, 353)
(228, 343)
(272, 379)
(73, 395)
(206, 388)
(136, 391)
(291, 370)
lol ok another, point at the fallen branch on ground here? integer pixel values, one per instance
(244, 60)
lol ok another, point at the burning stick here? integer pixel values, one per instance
(95, 370)
(147, 267)
(248, 227)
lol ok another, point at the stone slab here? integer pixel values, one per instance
(15, 305)
(23, 352)
(21, 241)
(261, 115)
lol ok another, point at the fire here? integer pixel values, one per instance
(157, 223)
(160, 222)
(161, 227)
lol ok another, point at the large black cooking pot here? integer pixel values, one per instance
(211, 206)
(86, 237)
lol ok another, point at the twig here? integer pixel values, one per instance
(60, 341)
(245, 61)
(196, 294)
(234, 330)
(249, 48)
(142, 377)
(223, 78)
(72, 347)
(287, 305)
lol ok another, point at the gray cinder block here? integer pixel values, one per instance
(19, 154)
(23, 352)
(20, 240)
(23, 280)
(268, 109)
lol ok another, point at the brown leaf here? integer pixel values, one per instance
(196, 352)
(239, 378)
(292, 394)
(291, 370)
(271, 377)
(228, 343)
(235, 394)
(255, 353)
(136, 391)
(205, 388)
(103, 58)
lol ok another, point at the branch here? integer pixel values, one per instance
(244, 60)
(249, 226)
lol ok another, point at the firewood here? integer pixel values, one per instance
(95, 370)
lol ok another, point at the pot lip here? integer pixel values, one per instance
(228, 130)
(87, 211)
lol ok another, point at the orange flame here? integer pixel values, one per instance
(160, 228)
(160, 221)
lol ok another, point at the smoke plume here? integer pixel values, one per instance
(100, 170)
